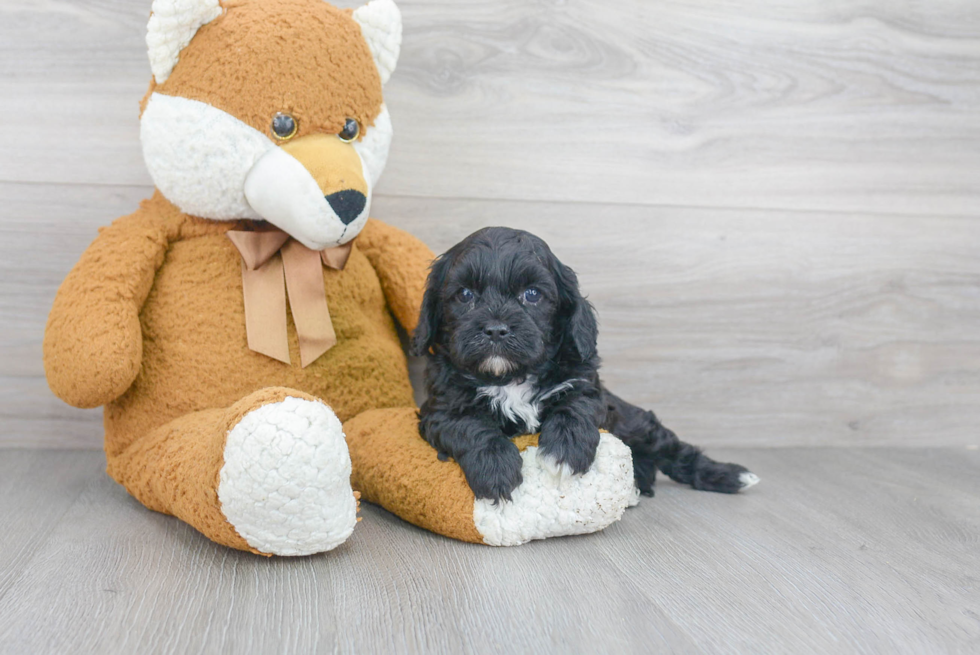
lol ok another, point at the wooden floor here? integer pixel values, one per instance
(837, 551)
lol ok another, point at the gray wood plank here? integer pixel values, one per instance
(832, 105)
(838, 550)
(154, 583)
(738, 327)
(863, 551)
(37, 488)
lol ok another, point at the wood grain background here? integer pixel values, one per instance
(840, 551)
(775, 206)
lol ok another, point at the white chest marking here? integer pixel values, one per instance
(521, 402)
(516, 401)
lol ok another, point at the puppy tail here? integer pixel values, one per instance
(656, 447)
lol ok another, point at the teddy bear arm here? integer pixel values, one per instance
(402, 264)
(93, 341)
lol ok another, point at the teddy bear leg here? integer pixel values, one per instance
(397, 469)
(270, 474)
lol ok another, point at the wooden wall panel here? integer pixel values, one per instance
(838, 105)
(773, 205)
(737, 326)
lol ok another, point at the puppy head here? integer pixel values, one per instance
(499, 304)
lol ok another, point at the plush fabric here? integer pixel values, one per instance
(172, 26)
(304, 503)
(174, 469)
(381, 26)
(180, 332)
(304, 58)
(394, 468)
(211, 183)
(150, 323)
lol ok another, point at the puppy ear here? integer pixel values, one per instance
(577, 323)
(424, 336)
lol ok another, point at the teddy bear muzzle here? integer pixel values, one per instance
(314, 188)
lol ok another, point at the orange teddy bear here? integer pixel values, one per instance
(242, 320)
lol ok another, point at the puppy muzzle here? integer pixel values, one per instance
(490, 346)
(315, 189)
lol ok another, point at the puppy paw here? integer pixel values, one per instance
(494, 470)
(567, 445)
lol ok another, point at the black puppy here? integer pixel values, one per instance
(511, 347)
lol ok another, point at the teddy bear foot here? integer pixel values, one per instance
(285, 483)
(551, 502)
(397, 469)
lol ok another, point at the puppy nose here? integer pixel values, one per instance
(497, 331)
(347, 204)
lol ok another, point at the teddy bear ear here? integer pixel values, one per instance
(381, 25)
(172, 25)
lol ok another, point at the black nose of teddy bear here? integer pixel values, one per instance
(347, 204)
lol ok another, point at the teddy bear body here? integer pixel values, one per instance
(151, 323)
(195, 352)
(251, 418)
(244, 440)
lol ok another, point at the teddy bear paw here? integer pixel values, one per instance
(548, 504)
(285, 484)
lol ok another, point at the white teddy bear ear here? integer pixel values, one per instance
(381, 25)
(172, 25)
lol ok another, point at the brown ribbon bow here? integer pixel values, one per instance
(268, 257)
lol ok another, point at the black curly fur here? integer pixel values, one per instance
(550, 342)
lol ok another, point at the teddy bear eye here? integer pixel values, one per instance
(284, 126)
(465, 295)
(350, 131)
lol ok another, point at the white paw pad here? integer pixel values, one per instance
(285, 483)
(748, 479)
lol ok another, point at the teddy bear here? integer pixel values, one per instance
(239, 327)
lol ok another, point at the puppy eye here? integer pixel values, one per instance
(350, 131)
(532, 295)
(465, 295)
(284, 126)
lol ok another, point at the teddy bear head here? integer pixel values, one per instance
(270, 110)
